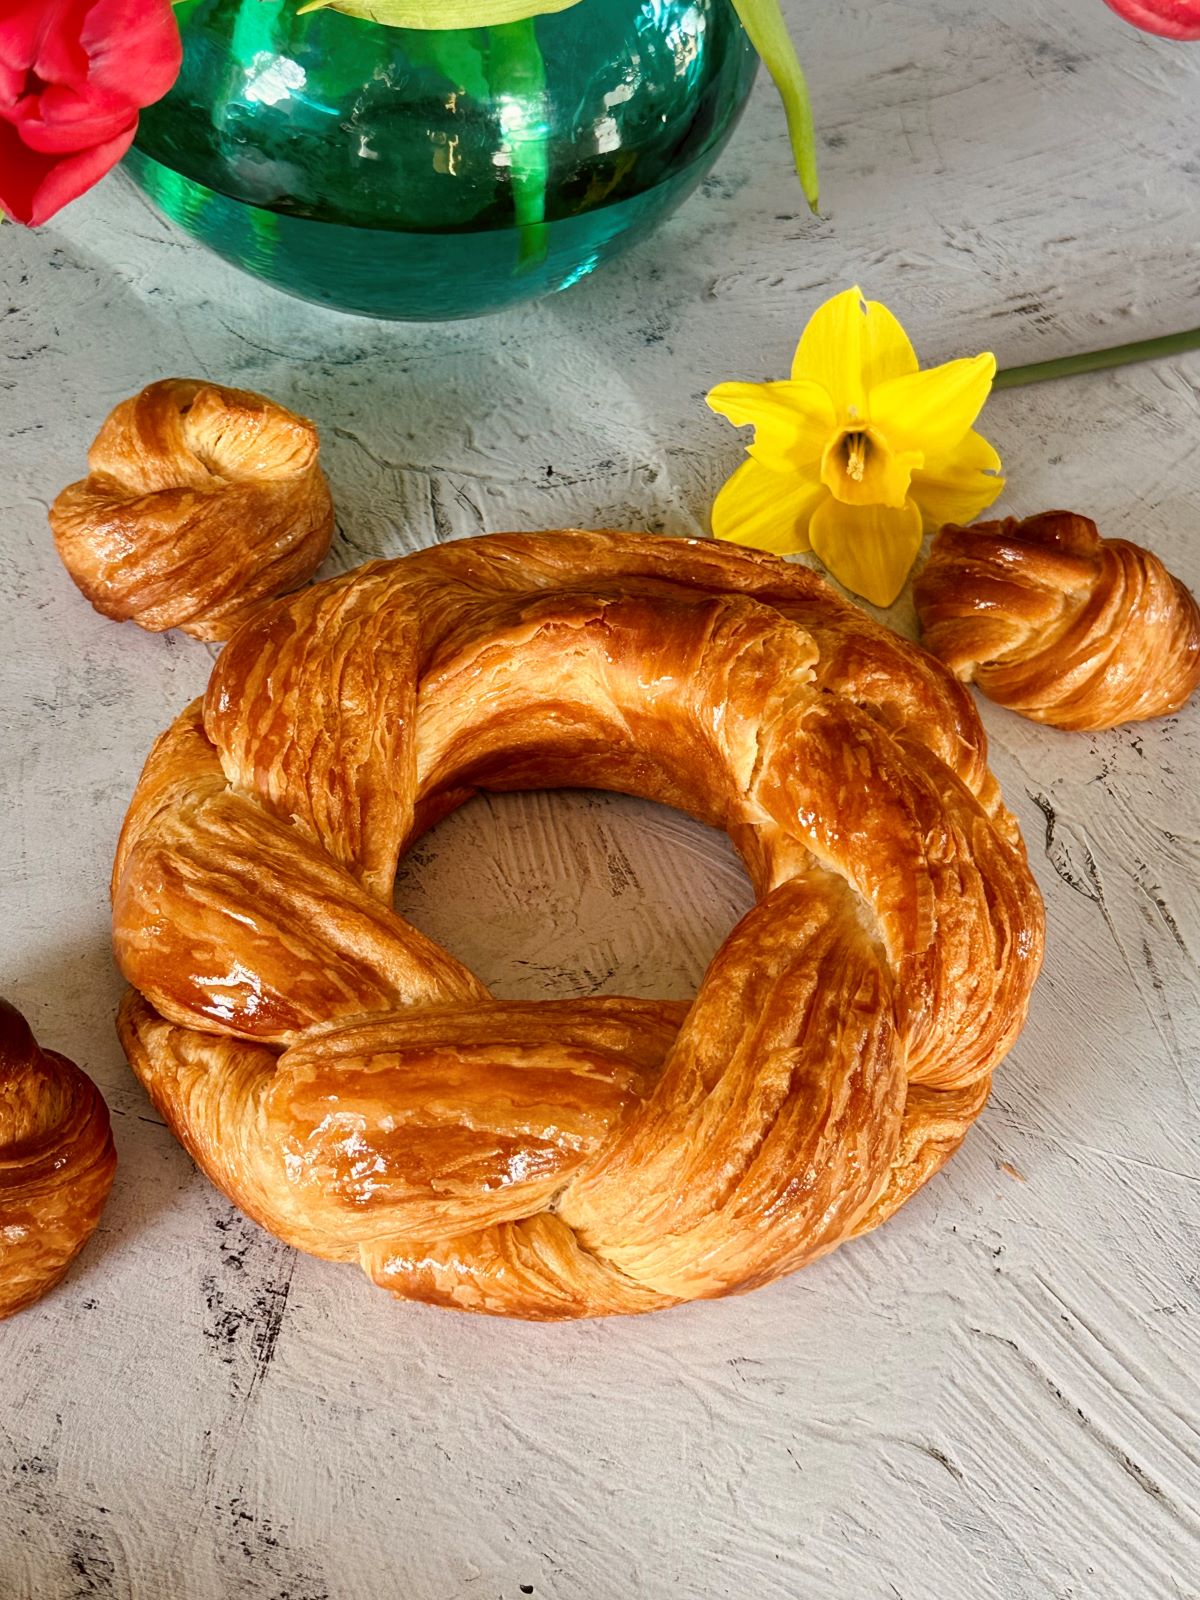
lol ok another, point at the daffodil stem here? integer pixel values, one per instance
(1121, 355)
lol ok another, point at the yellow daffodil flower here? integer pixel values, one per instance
(860, 452)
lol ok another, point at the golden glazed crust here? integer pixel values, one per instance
(355, 1089)
(56, 1163)
(1054, 622)
(200, 504)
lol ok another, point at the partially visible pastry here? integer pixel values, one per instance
(1054, 622)
(56, 1163)
(200, 504)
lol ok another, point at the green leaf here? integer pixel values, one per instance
(442, 13)
(763, 22)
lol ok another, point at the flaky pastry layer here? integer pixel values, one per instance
(1054, 622)
(200, 503)
(357, 1090)
(56, 1163)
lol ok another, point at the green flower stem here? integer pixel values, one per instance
(516, 65)
(768, 33)
(762, 20)
(1121, 355)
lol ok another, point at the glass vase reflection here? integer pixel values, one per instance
(410, 174)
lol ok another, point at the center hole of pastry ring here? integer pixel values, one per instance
(564, 893)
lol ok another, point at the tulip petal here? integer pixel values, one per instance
(98, 62)
(1173, 19)
(957, 486)
(849, 346)
(931, 411)
(26, 25)
(869, 549)
(768, 510)
(142, 34)
(792, 422)
(33, 187)
(59, 54)
(59, 121)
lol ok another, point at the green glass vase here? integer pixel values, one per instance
(426, 175)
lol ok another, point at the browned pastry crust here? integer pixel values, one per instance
(1053, 621)
(56, 1163)
(200, 503)
(355, 1089)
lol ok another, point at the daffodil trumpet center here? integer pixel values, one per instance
(854, 447)
(859, 469)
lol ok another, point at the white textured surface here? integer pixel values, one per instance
(996, 1394)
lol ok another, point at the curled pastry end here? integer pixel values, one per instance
(56, 1163)
(201, 504)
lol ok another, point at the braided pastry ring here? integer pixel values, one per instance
(356, 1090)
(56, 1163)
(200, 503)
(1058, 624)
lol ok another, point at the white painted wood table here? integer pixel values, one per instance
(995, 1395)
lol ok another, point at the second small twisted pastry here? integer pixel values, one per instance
(201, 502)
(1054, 622)
(56, 1163)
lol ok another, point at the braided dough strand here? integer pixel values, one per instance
(358, 1091)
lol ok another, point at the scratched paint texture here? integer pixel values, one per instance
(996, 1394)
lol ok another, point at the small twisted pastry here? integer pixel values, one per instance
(358, 1091)
(200, 503)
(1054, 622)
(56, 1163)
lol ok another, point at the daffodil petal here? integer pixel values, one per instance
(792, 421)
(931, 411)
(957, 486)
(870, 549)
(849, 347)
(768, 510)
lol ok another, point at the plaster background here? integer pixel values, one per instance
(995, 1394)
